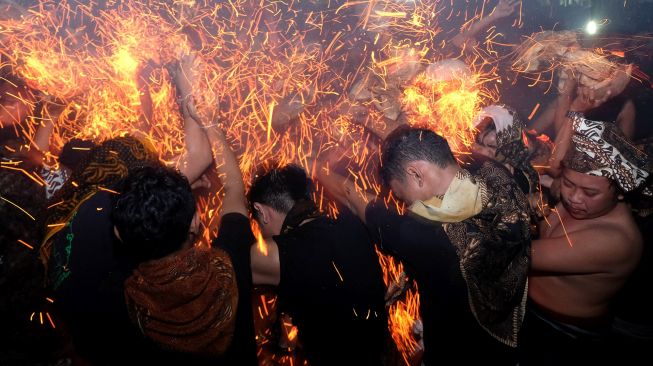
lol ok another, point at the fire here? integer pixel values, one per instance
(277, 91)
(261, 245)
(402, 314)
(446, 107)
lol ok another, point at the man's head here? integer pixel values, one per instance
(155, 212)
(417, 164)
(274, 192)
(485, 142)
(587, 196)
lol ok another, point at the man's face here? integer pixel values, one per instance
(407, 190)
(586, 196)
(486, 144)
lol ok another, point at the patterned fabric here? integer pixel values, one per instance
(105, 166)
(512, 141)
(186, 301)
(494, 247)
(54, 179)
(602, 150)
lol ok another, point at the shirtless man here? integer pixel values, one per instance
(586, 252)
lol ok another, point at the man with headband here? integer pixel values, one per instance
(586, 250)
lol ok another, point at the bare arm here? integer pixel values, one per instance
(229, 172)
(197, 156)
(595, 250)
(503, 9)
(265, 266)
(344, 190)
(626, 119)
(41, 140)
(545, 121)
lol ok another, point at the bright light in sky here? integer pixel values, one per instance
(591, 27)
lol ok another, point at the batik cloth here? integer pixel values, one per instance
(601, 149)
(104, 167)
(186, 301)
(490, 232)
(512, 141)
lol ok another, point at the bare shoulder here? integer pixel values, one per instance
(617, 231)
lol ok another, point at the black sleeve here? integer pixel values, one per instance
(235, 237)
(384, 225)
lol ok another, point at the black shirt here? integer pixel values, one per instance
(451, 332)
(332, 286)
(87, 272)
(235, 237)
(89, 294)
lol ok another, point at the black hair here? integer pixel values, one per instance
(406, 144)
(75, 152)
(280, 188)
(153, 212)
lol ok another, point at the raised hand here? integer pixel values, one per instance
(505, 8)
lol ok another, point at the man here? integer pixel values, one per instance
(586, 252)
(465, 240)
(327, 272)
(85, 264)
(190, 309)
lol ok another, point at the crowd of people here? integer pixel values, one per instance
(526, 249)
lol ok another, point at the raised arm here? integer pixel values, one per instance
(503, 9)
(229, 172)
(343, 189)
(217, 145)
(197, 156)
(41, 141)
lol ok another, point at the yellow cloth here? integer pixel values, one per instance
(462, 200)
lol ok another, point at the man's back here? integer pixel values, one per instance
(332, 286)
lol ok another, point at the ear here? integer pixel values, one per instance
(414, 172)
(116, 232)
(263, 212)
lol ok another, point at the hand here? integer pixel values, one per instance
(589, 98)
(616, 83)
(185, 75)
(568, 82)
(201, 182)
(505, 8)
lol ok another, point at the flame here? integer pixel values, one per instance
(261, 245)
(402, 314)
(446, 107)
(277, 91)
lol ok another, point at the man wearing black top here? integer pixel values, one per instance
(327, 272)
(464, 239)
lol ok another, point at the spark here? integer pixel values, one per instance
(564, 230)
(25, 244)
(337, 271)
(535, 109)
(18, 207)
